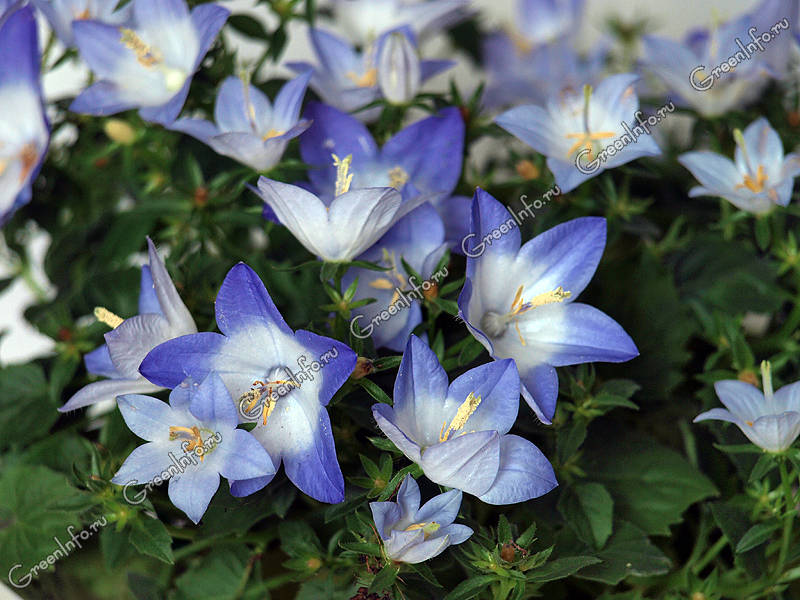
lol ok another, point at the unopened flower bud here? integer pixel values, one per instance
(120, 132)
(399, 74)
(363, 368)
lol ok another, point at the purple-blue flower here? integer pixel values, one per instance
(413, 534)
(148, 65)
(519, 301)
(348, 78)
(24, 130)
(418, 238)
(190, 442)
(62, 13)
(248, 127)
(162, 316)
(281, 379)
(423, 158)
(770, 420)
(584, 132)
(459, 435)
(727, 66)
(366, 20)
(546, 21)
(761, 177)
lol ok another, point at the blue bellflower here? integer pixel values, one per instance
(519, 301)
(398, 64)
(459, 435)
(418, 238)
(348, 78)
(281, 379)
(423, 158)
(414, 534)
(770, 420)
(150, 64)
(366, 20)
(576, 129)
(62, 13)
(190, 442)
(727, 66)
(761, 177)
(24, 130)
(248, 128)
(162, 316)
(546, 21)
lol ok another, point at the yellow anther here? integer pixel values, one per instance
(107, 317)
(518, 307)
(521, 44)
(427, 528)
(82, 16)
(754, 185)
(750, 423)
(192, 434)
(28, 158)
(464, 412)
(368, 79)
(343, 177)
(382, 283)
(147, 56)
(557, 295)
(397, 177)
(587, 140)
(271, 134)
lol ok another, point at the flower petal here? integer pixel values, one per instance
(497, 385)
(443, 509)
(193, 355)
(385, 417)
(169, 300)
(192, 491)
(245, 458)
(108, 389)
(143, 464)
(212, 403)
(524, 473)
(468, 462)
(745, 401)
(540, 390)
(147, 417)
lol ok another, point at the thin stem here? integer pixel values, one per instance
(788, 517)
(710, 554)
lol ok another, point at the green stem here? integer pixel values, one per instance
(710, 555)
(788, 517)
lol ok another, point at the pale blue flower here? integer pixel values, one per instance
(248, 127)
(519, 301)
(760, 178)
(288, 377)
(398, 64)
(162, 316)
(459, 435)
(148, 65)
(585, 132)
(191, 442)
(545, 21)
(413, 534)
(62, 13)
(770, 420)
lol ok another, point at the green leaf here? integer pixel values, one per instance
(764, 465)
(26, 410)
(144, 588)
(227, 515)
(471, 587)
(588, 509)
(298, 540)
(755, 536)
(218, 576)
(384, 579)
(115, 546)
(560, 568)
(374, 390)
(149, 536)
(36, 505)
(633, 469)
(248, 26)
(628, 552)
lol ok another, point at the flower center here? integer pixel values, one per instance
(386, 283)
(150, 57)
(398, 177)
(192, 438)
(343, 176)
(267, 393)
(495, 325)
(428, 528)
(368, 79)
(586, 138)
(754, 185)
(464, 412)
(271, 134)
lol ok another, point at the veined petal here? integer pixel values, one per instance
(524, 473)
(408, 497)
(101, 99)
(745, 401)
(788, 398)
(108, 389)
(718, 414)
(497, 385)
(566, 255)
(243, 302)
(170, 301)
(249, 149)
(98, 362)
(245, 487)
(168, 364)
(245, 458)
(236, 112)
(423, 551)
(488, 215)
(101, 47)
(540, 390)
(385, 514)
(468, 462)
(147, 417)
(289, 100)
(212, 403)
(360, 217)
(385, 416)
(143, 464)
(19, 52)
(148, 299)
(207, 19)
(130, 342)
(531, 124)
(197, 128)
(443, 509)
(192, 491)
(774, 433)
(716, 173)
(763, 144)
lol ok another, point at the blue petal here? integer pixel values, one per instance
(531, 124)
(524, 473)
(147, 417)
(487, 216)
(419, 390)
(333, 132)
(339, 365)
(99, 45)
(159, 13)
(101, 99)
(19, 50)
(443, 509)
(190, 355)
(456, 212)
(430, 151)
(788, 397)
(207, 19)
(335, 54)
(540, 390)
(130, 342)
(245, 487)
(745, 401)
(232, 112)
(289, 100)
(98, 362)
(566, 255)
(763, 144)
(716, 173)
(197, 128)
(385, 514)
(148, 300)
(408, 497)
(774, 433)
(497, 384)
(245, 459)
(169, 300)
(143, 464)
(423, 551)
(468, 462)
(192, 491)
(431, 68)
(316, 470)
(567, 175)
(244, 302)
(166, 114)
(385, 417)
(108, 389)
(212, 403)
(718, 414)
